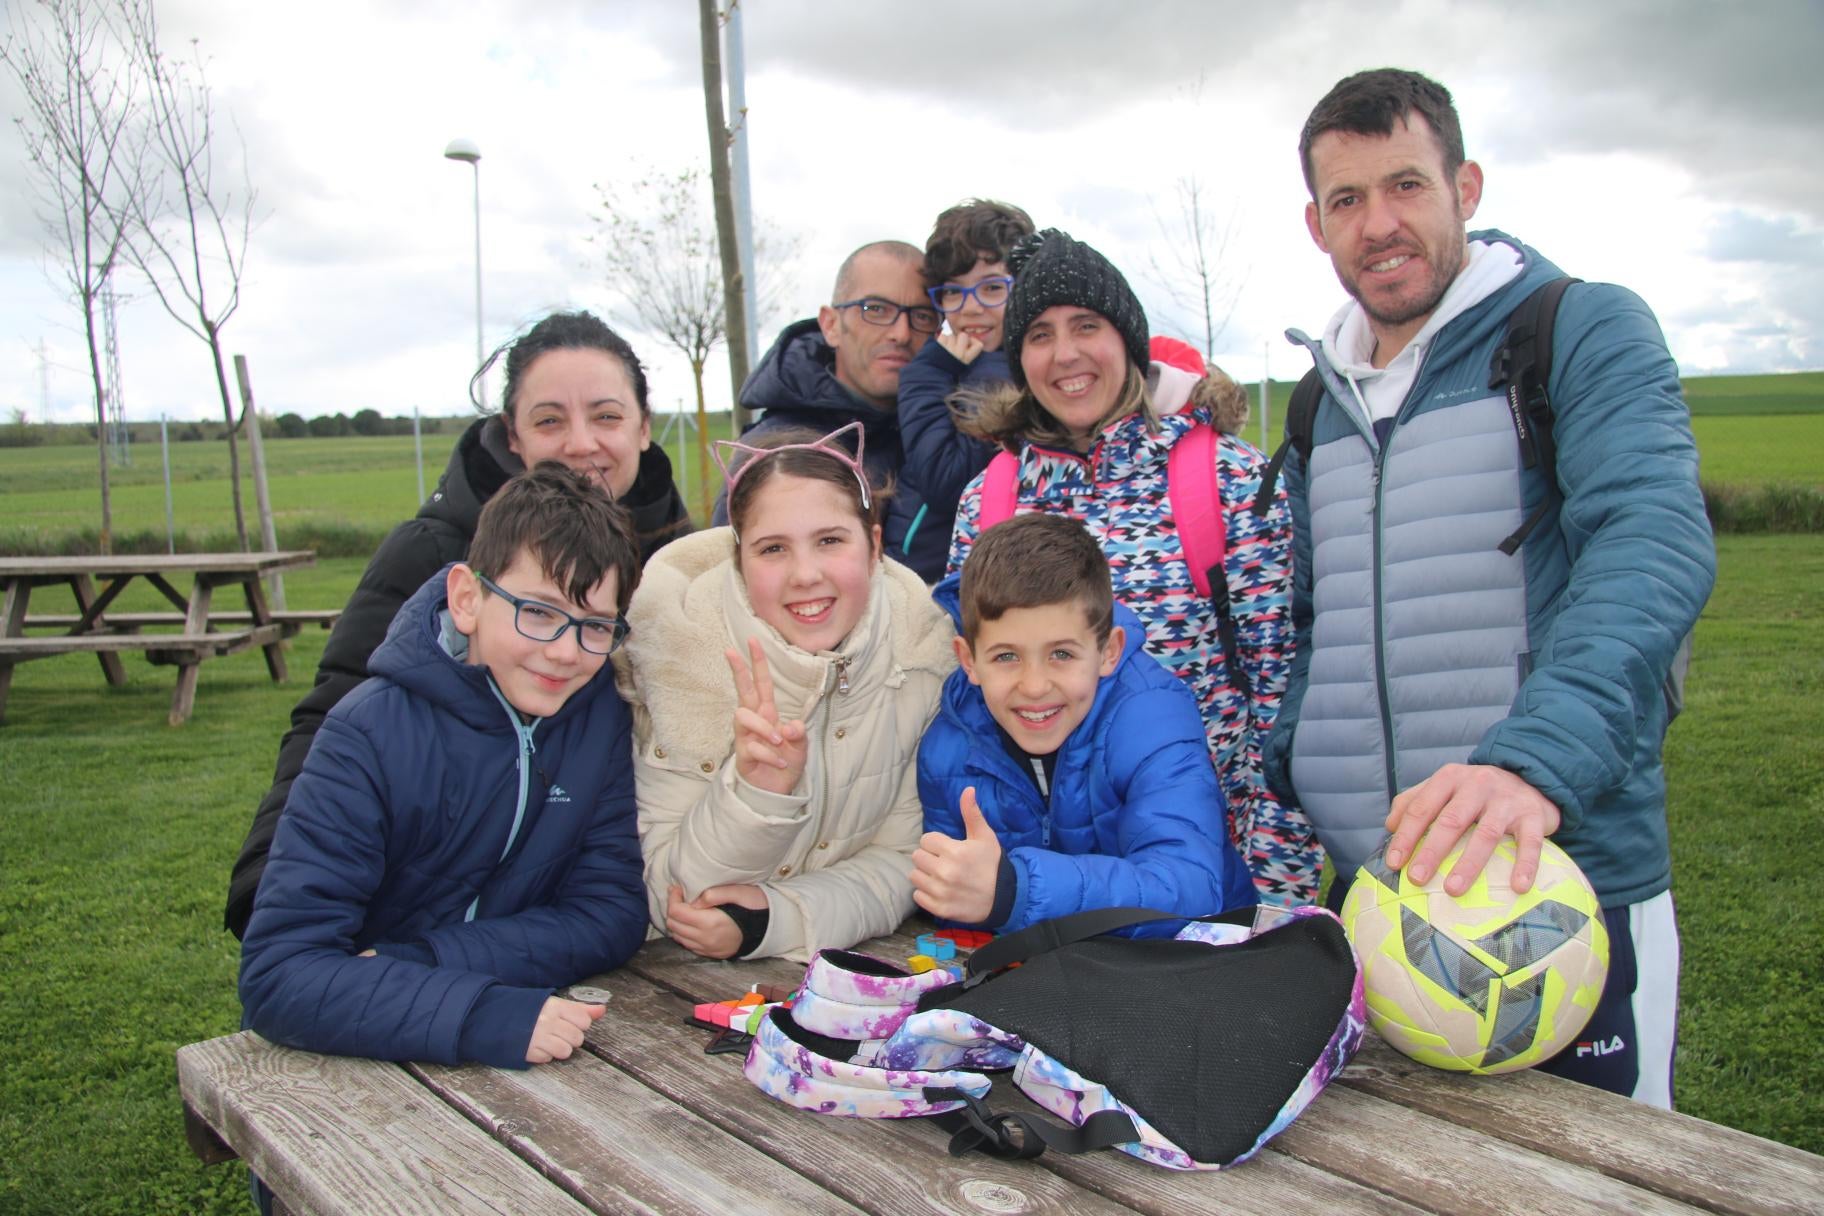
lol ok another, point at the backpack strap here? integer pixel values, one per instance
(1196, 499)
(1522, 364)
(1190, 484)
(1000, 490)
(1301, 424)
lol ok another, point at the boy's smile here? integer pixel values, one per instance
(1038, 669)
(535, 677)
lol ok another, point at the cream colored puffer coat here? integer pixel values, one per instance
(833, 856)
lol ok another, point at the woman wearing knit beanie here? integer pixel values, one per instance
(1092, 422)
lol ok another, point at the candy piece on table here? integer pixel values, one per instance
(773, 993)
(715, 1013)
(750, 1000)
(921, 963)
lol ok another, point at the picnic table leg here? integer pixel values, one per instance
(12, 625)
(262, 615)
(85, 600)
(196, 620)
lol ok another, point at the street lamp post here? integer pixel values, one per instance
(465, 150)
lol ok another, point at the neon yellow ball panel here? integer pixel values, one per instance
(1486, 982)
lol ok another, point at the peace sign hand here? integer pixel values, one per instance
(769, 754)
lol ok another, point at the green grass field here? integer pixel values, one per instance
(1752, 431)
(116, 834)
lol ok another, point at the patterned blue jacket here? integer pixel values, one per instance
(1135, 817)
(484, 861)
(1421, 644)
(1118, 491)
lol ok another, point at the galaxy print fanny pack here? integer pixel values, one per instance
(1188, 1052)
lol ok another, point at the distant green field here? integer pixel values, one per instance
(1752, 431)
(1748, 449)
(1787, 393)
(367, 481)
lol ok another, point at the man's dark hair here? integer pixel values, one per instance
(975, 230)
(1373, 103)
(569, 524)
(1031, 561)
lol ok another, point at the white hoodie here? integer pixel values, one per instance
(1349, 342)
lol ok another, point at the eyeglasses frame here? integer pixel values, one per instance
(972, 290)
(620, 627)
(907, 310)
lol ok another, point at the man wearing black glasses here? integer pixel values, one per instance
(843, 366)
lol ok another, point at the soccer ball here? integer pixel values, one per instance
(1487, 981)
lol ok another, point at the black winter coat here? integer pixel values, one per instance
(438, 535)
(795, 385)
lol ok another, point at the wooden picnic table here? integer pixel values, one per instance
(643, 1120)
(95, 632)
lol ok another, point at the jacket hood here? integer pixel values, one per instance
(1462, 332)
(415, 657)
(1215, 399)
(480, 464)
(691, 606)
(797, 379)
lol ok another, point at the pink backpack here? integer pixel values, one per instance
(1191, 486)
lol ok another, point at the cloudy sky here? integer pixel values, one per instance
(1675, 146)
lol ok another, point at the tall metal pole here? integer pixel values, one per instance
(744, 215)
(164, 447)
(465, 150)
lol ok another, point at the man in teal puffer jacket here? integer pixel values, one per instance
(1445, 689)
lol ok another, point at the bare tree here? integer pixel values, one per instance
(80, 128)
(661, 256)
(709, 21)
(1198, 275)
(1201, 280)
(187, 232)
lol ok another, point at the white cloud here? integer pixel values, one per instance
(1625, 141)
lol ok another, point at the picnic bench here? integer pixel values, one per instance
(107, 636)
(642, 1119)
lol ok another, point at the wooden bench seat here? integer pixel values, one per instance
(159, 647)
(127, 621)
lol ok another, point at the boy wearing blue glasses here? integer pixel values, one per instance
(463, 838)
(967, 279)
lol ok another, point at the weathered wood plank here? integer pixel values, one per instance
(92, 643)
(1434, 1164)
(84, 587)
(336, 1135)
(325, 617)
(620, 1147)
(1691, 1160)
(884, 1166)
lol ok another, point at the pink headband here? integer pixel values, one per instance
(824, 444)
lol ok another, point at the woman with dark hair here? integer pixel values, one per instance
(575, 392)
(1092, 421)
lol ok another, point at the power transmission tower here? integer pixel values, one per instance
(119, 440)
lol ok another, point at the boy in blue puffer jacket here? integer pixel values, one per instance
(1066, 769)
(462, 838)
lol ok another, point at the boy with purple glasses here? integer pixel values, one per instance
(967, 278)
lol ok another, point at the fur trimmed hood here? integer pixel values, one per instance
(692, 605)
(987, 413)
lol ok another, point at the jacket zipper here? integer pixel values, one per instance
(842, 675)
(1377, 451)
(527, 750)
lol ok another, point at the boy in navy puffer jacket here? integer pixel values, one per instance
(1066, 769)
(462, 838)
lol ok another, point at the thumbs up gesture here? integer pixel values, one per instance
(954, 879)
